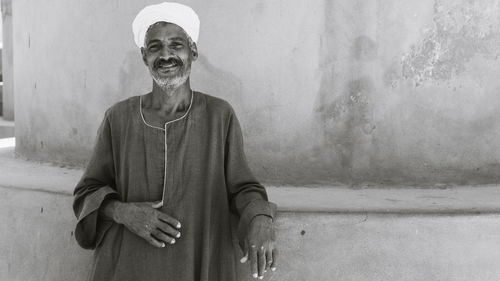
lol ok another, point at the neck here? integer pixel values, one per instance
(171, 100)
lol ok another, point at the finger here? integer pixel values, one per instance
(244, 247)
(168, 229)
(253, 261)
(261, 262)
(275, 255)
(269, 259)
(153, 241)
(156, 204)
(168, 219)
(161, 236)
(244, 258)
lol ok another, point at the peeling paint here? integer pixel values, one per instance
(462, 29)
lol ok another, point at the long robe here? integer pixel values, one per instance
(196, 166)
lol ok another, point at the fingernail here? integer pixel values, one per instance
(173, 241)
(254, 275)
(261, 277)
(178, 225)
(163, 245)
(273, 268)
(265, 270)
(178, 235)
(243, 260)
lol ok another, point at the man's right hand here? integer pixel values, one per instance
(143, 220)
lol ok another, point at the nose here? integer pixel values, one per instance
(166, 52)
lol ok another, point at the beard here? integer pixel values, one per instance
(167, 84)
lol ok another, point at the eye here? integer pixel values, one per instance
(176, 45)
(154, 48)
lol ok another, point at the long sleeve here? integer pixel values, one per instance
(96, 185)
(248, 198)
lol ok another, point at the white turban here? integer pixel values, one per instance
(172, 12)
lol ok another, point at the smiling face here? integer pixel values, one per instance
(168, 53)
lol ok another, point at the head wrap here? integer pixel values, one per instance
(172, 12)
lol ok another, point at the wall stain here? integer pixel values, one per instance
(6, 9)
(347, 120)
(343, 148)
(462, 30)
(364, 48)
(392, 76)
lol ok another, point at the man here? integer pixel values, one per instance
(167, 169)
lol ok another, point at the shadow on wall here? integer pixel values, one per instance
(217, 82)
(134, 78)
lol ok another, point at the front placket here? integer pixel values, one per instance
(161, 203)
(165, 142)
(166, 165)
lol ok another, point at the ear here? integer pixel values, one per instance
(143, 53)
(194, 51)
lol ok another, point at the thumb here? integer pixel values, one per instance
(244, 258)
(156, 204)
(245, 252)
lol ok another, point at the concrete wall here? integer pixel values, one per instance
(313, 246)
(7, 61)
(327, 91)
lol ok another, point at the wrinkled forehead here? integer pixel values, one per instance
(164, 31)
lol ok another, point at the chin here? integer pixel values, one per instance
(168, 84)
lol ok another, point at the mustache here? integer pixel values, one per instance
(165, 61)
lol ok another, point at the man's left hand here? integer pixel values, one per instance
(259, 246)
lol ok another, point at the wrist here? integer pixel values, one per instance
(111, 210)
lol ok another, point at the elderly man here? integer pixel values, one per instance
(167, 170)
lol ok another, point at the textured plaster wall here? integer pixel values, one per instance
(343, 91)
